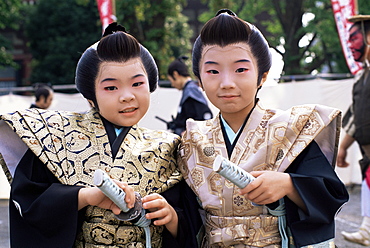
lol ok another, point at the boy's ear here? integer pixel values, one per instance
(200, 83)
(91, 103)
(263, 79)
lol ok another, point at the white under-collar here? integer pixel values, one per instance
(229, 132)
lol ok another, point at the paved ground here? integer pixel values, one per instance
(349, 219)
(4, 224)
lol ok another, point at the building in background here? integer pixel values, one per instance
(13, 77)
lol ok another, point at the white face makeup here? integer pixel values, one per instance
(122, 92)
(229, 77)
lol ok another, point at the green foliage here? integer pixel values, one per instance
(363, 7)
(281, 23)
(58, 33)
(6, 58)
(9, 11)
(159, 26)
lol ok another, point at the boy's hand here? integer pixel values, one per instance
(268, 187)
(95, 197)
(162, 211)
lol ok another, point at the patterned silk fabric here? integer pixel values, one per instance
(74, 145)
(271, 140)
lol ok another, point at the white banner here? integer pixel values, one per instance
(343, 9)
(106, 12)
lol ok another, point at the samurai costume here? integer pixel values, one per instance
(301, 141)
(59, 152)
(193, 105)
(356, 121)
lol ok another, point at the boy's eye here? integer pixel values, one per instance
(241, 70)
(137, 84)
(110, 88)
(212, 72)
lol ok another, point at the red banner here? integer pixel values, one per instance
(107, 16)
(343, 9)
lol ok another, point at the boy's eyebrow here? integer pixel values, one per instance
(138, 75)
(238, 61)
(112, 79)
(210, 62)
(107, 79)
(242, 60)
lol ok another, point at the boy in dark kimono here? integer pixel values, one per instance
(53, 201)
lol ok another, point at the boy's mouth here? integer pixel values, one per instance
(128, 110)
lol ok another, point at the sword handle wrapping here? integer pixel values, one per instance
(110, 189)
(232, 172)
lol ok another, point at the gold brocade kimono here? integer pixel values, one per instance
(270, 140)
(74, 145)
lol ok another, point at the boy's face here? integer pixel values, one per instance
(122, 92)
(229, 78)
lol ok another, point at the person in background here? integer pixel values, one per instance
(193, 104)
(53, 199)
(296, 194)
(356, 121)
(44, 96)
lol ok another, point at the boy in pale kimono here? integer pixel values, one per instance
(296, 193)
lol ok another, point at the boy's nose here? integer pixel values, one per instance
(227, 81)
(126, 96)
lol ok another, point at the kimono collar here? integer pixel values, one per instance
(229, 132)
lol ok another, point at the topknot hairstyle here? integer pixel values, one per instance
(179, 66)
(42, 90)
(115, 46)
(227, 28)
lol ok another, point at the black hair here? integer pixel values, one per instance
(226, 29)
(42, 90)
(117, 46)
(179, 66)
(366, 28)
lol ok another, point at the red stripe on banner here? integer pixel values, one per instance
(105, 12)
(343, 9)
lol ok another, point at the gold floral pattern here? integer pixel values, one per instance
(271, 140)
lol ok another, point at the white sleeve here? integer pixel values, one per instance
(12, 148)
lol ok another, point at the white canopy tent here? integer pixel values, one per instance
(164, 103)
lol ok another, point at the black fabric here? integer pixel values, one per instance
(322, 192)
(114, 141)
(192, 105)
(229, 146)
(364, 165)
(118, 141)
(188, 209)
(33, 106)
(361, 103)
(50, 216)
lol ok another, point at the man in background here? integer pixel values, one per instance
(193, 104)
(356, 121)
(44, 96)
